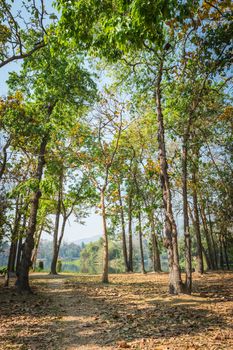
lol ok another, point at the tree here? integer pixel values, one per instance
(108, 124)
(58, 88)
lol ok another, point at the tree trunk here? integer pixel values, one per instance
(12, 256)
(15, 236)
(171, 243)
(13, 245)
(18, 256)
(35, 251)
(20, 241)
(25, 264)
(65, 218)
(105, 239)
(4, 160)
(187, 238)
(125, 255)
(62, 232)
(221, 253)
(212, 239)
(53, 268)
(130, 263)
(207, 237)
(11, 260)
(196, 222)
(225, 253)
(155, 247)
(141, 243)
(206, 259)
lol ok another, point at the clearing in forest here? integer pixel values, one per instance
(132, 311)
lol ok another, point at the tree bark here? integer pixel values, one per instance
(35, 250)
(130, 233)
(207, 236)
(53, 268)
(171, 243)
(187, 238)
(225, 253)
(20, 242)
(10, 264)
(141, 243)
(105, 239)
(124, 247)
(155, 247)
(12, 255)
(25, 264)
(212, 239)
(62, 232)
(196, 222)
(207, 259)
(14, 243)
(18, 256)
(4, 160)
(65, 218)
(221, 253)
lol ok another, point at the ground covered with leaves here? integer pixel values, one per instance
(133, 311)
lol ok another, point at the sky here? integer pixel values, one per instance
(74, 231)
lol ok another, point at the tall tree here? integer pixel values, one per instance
(58, 88)
(108, 124)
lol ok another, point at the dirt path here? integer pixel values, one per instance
(133, 311)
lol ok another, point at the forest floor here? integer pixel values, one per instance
(133, 311)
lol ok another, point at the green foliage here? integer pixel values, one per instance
(90, 258)
(3, 271)
(59, 266)
(114, 28)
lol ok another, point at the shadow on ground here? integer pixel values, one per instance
(80, 313)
